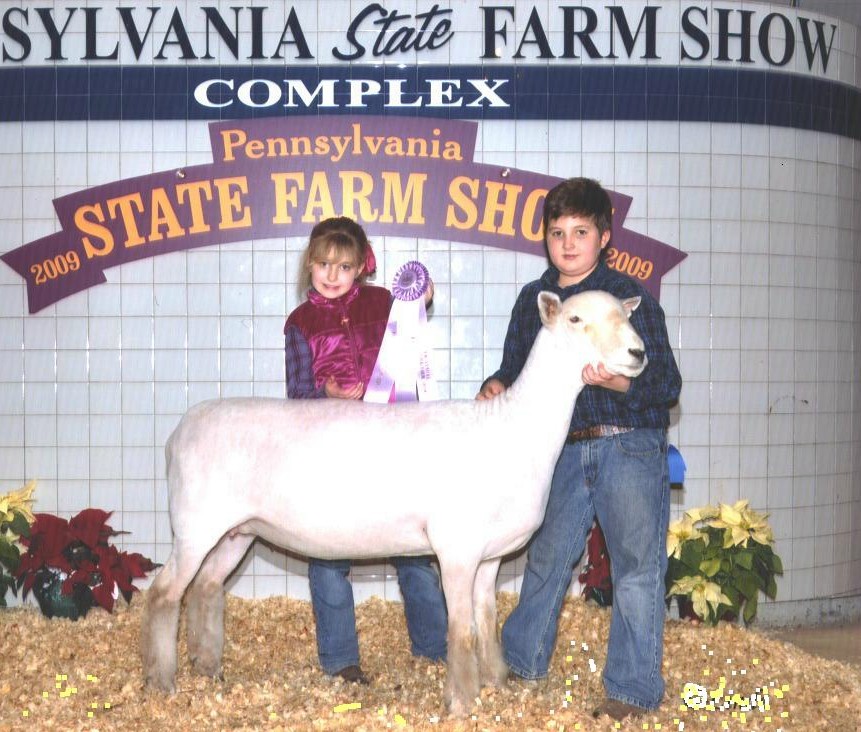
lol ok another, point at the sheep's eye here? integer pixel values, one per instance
(574, 319)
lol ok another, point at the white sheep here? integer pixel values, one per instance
(465, 480)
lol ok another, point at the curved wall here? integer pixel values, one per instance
(763, 314)
(754, 173)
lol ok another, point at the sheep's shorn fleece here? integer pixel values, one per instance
(54, 674)
(464, 480)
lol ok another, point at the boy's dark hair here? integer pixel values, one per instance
(579, 197)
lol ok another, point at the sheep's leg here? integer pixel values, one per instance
(462, 681)
(205, 604)
(161, 616)
(491, 664)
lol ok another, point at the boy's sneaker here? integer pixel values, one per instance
(353, 674)
(617, 710)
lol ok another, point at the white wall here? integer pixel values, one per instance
(763, 316)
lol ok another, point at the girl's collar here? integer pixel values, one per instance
(317, 299)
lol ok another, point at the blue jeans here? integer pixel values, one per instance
(623, 480)
(334, 611)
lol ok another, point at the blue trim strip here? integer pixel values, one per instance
(637, 93)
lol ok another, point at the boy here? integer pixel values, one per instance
(613, 466)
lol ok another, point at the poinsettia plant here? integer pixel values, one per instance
(77, 555)
(15, 520)
(720, 559)
(595, 575)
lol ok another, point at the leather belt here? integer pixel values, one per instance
(596, 431)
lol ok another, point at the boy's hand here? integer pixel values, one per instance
(602, 377)
(334, 391)
(491, 389)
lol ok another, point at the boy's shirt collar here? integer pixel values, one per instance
(550, 280)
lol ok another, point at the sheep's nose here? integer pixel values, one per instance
(637, 353)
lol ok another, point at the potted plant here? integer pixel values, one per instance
(15, 520)
(70, 565)
(719, 560)
(595, 576)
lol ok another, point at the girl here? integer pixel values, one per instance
(331, 343)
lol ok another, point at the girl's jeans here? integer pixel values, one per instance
(623, 480)
(334, 612)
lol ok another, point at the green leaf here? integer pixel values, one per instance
(771, 588)
(9, 554)
(744, 559)
(750, 608)
(733, 595)
(710, 619)
(776, 564)
(7, 582)
(5, 544)
(710, 567)
(747, 583)
(20, 525)
(692, 553)
(763, 551)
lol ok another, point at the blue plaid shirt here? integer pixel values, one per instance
(299, 367)
(652, 393)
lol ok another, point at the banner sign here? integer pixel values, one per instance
(274, 178)
(277, 33)
(657, 61)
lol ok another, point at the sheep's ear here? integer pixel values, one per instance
(549, 307)
(631, 304)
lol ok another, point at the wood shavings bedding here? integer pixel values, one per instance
(86, 675)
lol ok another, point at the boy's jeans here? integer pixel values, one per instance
(623, 479)
(334, 612)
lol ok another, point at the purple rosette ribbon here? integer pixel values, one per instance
(402, 372)
(411, 282)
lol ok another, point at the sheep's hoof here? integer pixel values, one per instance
(495, 674)
(459, 708)
(164, 684)
(495, 679)
(208, 667)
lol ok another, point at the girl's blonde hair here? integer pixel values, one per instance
(341, 235)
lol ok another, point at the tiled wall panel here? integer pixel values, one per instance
(763, 315)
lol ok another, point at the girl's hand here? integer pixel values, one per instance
(429, 293)
(335, 391)
(491, 389)
(602, 377)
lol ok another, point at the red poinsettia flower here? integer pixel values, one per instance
(93, 569)
(49, 537)
(90, 528)
(595, 577)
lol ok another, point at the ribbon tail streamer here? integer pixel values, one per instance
(402, 372)
(380, 390)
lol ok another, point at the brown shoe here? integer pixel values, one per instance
(352, 674)
(617, 710)
(522, 679)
